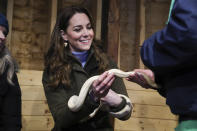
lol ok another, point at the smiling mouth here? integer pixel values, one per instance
(84, 41)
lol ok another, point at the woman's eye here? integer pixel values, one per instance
(77, 29)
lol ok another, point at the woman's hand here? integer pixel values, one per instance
(138, 77)
(101, 86)
(112, 99)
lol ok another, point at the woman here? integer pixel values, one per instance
(72, 58)
(10, 93)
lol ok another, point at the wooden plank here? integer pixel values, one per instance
(154, 112)
(113, 30)
(37, 123)
(145, 124)
(35, 108)
(146, 98)
(34, 96)
(32, 93)
(10, 5)
(31, 62)
(33, 77)
(98, 19)
(53, 14)
(142, 22)
(140, 97)
(40, 108)
(142, 28)
(30, 77)
(133, 86)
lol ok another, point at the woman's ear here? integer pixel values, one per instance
(63, 35)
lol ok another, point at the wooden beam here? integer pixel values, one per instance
(142, 22)
(53, 14)
(118, 61)
(52, 19)
(37, 123)
(113, 29)
(98, 19)
(10, 6)
(141, 29)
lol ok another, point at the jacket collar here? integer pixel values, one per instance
(91, 62)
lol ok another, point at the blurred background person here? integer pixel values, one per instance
(10, 92)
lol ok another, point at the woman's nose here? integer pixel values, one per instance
(85, 32)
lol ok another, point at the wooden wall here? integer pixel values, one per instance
(150, 111)
(128, 35)
(33, 21)
(35, 112)
(30, 32)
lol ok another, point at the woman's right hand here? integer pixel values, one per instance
(101, 86)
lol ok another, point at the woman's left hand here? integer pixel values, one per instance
(112, 99)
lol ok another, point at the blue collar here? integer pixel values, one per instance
(82, 56)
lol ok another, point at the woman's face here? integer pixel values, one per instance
(79, 33)
(2, 37)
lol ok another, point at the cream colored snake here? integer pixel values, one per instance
(75, 102)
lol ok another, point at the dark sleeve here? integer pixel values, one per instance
(175, 46)
(57, 100)
(161, 88)
(10, 104)
(3, 87)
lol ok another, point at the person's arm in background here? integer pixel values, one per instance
(175, 46)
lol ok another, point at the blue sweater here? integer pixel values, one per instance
(172, 55)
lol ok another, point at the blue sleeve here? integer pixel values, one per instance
(176, 45)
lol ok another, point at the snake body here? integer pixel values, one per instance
(75, 102)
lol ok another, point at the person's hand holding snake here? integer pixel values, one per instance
(101, 90)
(140, 79)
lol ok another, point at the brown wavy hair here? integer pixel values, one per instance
(57, 62)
